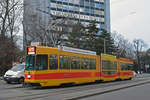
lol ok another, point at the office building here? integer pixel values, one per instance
(83, 11)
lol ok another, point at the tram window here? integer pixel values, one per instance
(123, 66)
(107, 65)
(64, 62)
(75, 63)
(126, 67)
(85, 63)
(30, 62)
(104, 65)
(78, 62)
(110, 65)
(92, 64)
(82, 61)
(41, 62)
(53, 61)
(115, 65)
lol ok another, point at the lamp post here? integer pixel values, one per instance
(104, 46)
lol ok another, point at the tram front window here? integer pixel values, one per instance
(41, 62)
(29, 64)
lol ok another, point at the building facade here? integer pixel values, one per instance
(83, 11)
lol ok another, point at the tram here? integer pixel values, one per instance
(46, 66)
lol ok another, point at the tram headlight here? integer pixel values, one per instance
(29, 76)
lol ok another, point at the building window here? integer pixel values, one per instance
(64, 0)
(86, 3)
(53, 5)
(65, 7)
(76, 9)
(59, 6)
(71, 8)
(82, 2)
(97, 5)
(71, 1)
(81, 9)
(86, 10)
(76, 2)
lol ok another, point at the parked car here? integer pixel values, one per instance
(15, 74)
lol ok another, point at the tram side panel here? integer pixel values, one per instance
(98, 69)
(109, 68)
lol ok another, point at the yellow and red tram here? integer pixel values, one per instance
(46, 66)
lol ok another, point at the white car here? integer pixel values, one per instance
(15, 74)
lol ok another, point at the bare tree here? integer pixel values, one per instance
(10, 12)
(10, 20)
(139, 44)
(124, 47)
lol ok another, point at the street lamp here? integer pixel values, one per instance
(105, 40)
(104, 46)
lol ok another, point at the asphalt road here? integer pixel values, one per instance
(17, 92)
(141, 92)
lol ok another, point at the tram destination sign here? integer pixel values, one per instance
(74, 50)
(31, 50)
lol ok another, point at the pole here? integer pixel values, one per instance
(104, 46)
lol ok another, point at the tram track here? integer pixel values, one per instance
(59, 90)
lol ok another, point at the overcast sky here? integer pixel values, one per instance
(131, 18)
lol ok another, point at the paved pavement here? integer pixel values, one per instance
(94, 92)
(134, 93)
(15, 91)
(143, 75)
